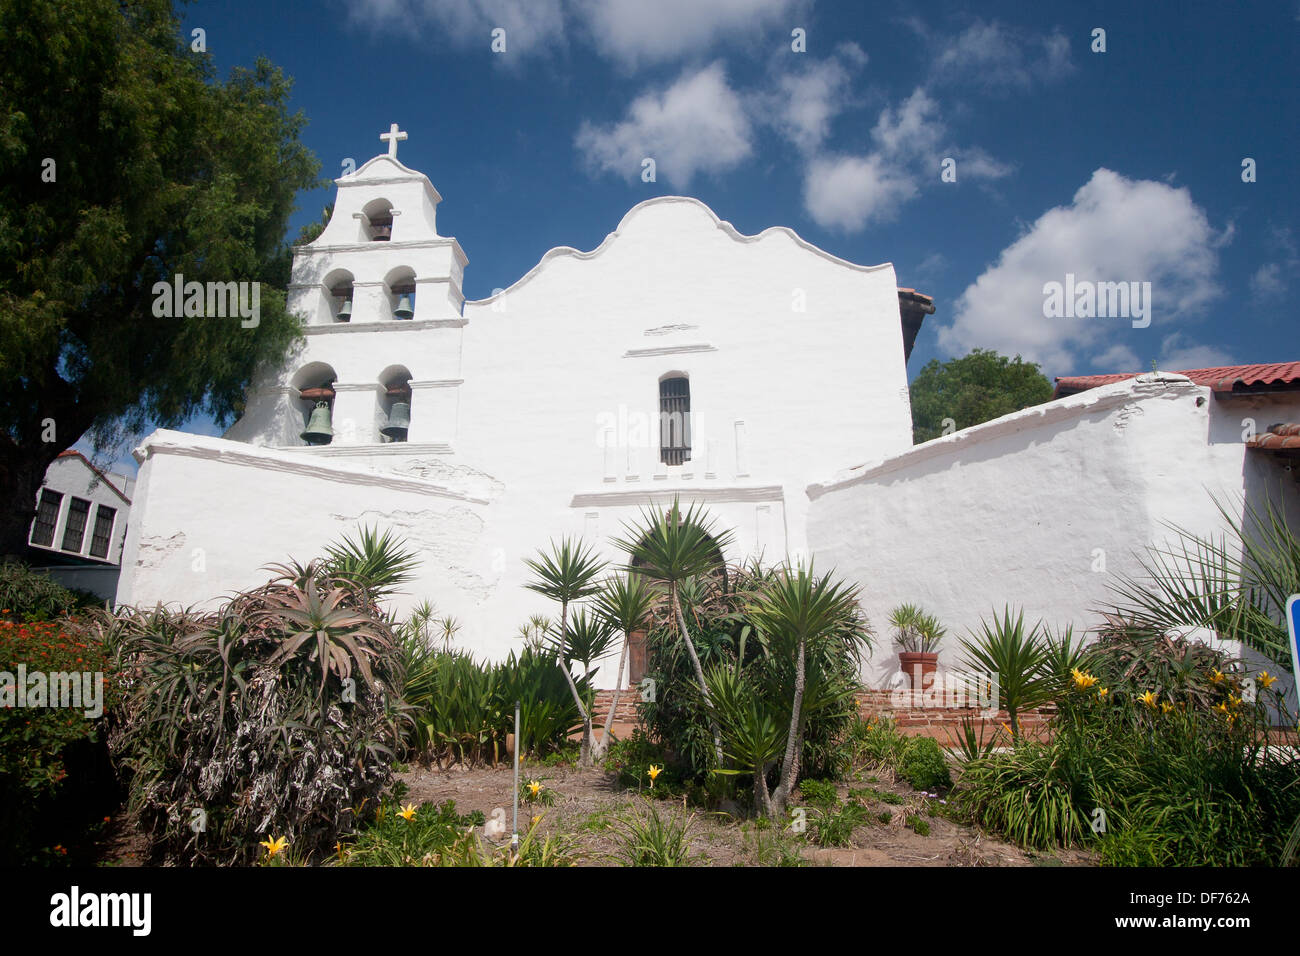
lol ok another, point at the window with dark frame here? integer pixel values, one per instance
(74, 532)
(103, 533)
(675, 420)
(47, 517)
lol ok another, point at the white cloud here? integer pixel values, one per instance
(1272, 279)
(1117, 358)
(848, 192)
(912, 130)
(696, 125)
(635, 32)
(999, 58)
(1115, 229)
(803, 104)
(531, 26)
(1176, 354)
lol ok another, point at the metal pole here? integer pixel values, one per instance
(514, 837)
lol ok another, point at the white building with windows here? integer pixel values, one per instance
(679, 357)
(80, 525)
(757, 375)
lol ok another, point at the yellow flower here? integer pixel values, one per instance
(1007, 729)
(1102, 692)
(1234, 701)
(537, 819)
(274, 845)
(1165, 707)
(1217, 677)
(408, 812)
(534, 788)
(1220, 708)
(1081, 680)
(654, 772)
(1149, 699)
(1267, 679)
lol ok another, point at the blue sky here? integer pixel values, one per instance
(1123, 165)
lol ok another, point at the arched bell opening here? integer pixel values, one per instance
(395, 404)
(400, 288)
(377, 221)
(315, 400)
(338, 290)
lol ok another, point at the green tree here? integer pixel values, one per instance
(982, 386)
(123, 163)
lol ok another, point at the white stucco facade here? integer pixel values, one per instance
(1041, 509)
(535, 413)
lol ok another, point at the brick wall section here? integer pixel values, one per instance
(917, 717)
(627, 706)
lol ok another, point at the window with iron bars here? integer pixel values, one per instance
(675, 420)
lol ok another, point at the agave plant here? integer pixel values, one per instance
(377, 562)
(673, 547)
(567, 574)
(319, 618)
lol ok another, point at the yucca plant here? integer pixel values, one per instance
(568, 574)
(1017, 657)
(794, 610)
(672, 547)
(377, 562)
(753, 736)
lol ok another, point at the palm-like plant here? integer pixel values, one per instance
(794, 610)
(1017, 657)
(753, 735)
(672, 547)
(1236, 584)
(624, 602)
(567, 574)
(377, 562)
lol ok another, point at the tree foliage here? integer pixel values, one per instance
(977, 388)
(124, 162)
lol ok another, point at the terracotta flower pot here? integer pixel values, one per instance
(918, 667)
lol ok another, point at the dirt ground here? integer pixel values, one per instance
(588, 804)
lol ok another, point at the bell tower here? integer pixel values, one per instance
(380, 258)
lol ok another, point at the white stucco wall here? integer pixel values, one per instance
(1018, 510)
(542, 403)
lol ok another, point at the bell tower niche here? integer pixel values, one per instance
(380, 258)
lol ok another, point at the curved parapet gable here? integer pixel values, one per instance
(695, 204)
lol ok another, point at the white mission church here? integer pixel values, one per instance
(758, 375)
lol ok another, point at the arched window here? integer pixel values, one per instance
(674, 419)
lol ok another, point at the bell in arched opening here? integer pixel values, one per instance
(344, 313)
(405, 306)
(318, 430)
(399, 422)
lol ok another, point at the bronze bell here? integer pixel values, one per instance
(345, 311)
(318, 430)
(399, 420)
(404, 308)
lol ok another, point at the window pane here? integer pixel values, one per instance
(47, 517)
(75, 530)
(103, 531)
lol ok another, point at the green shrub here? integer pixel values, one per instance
(647, 838)
(631, 760)
(834, 826)
(55, 781)
(918, 825)
(265, 718)
(820, 793)
(29, 596)
(923, 765)
(876, 742)
(390, 839)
